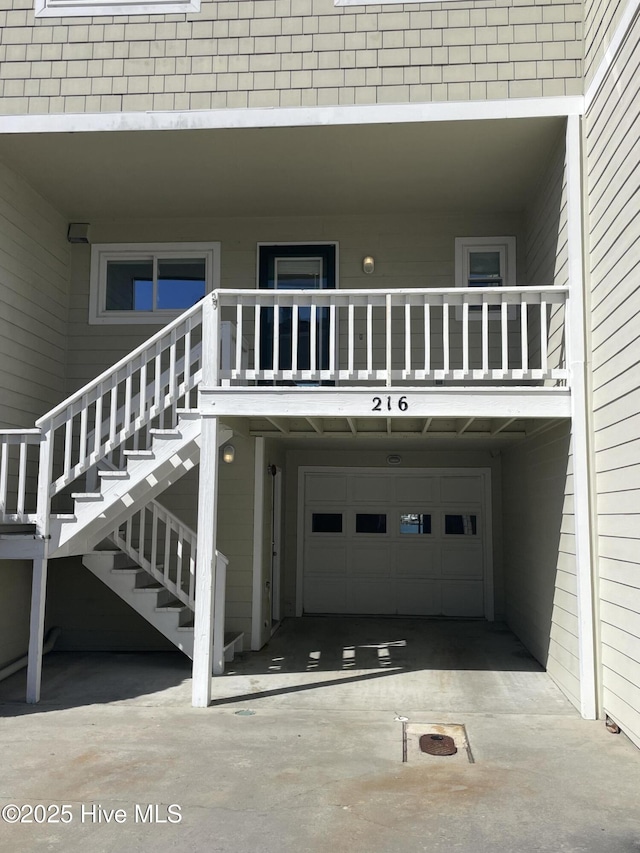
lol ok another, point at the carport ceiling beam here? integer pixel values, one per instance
(502, 426)
(545, 425)
(279, 424)
(316, 423)
(465, 426)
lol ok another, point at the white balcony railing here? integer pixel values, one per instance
(19, 451)
(387, 337)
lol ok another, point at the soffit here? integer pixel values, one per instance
(468, 166)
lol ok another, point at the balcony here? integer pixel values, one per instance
(331, 346)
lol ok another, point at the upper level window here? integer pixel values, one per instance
(485, 262)
(68, 8)
(142, 283)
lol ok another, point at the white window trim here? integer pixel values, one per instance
(103, 252)
(85, 8)
(465, 245)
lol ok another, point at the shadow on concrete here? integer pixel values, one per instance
(305, 655)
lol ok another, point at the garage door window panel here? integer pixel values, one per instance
(371, 523)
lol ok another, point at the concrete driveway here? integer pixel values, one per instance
(303, 750)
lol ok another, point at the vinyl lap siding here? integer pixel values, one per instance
(539, 536)
(34, 302)
(540, 554)
(613, 150)
(601, 17)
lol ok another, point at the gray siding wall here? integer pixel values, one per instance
(539, 554)
(34, 294)
(288, 53)
(613, 151)
(540, 566)
(545, 248)
(15, 582)
(601, 17)
(410, 251)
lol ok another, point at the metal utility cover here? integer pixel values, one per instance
(434, 744)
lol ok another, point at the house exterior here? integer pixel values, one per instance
(321, 307)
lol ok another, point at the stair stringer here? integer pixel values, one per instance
(174, 453)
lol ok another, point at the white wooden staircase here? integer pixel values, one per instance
(85, 482)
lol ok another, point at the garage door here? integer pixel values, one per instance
(392, 542)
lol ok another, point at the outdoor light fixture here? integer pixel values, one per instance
(228, 453)
(394, 459)
(368, 265)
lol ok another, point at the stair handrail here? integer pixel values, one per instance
(173, 524)
(116, 386)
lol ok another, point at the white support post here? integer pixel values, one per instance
(205, 564)
(576, 350)
(36, 629)
(207, 516)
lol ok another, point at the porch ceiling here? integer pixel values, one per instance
(438, 166)
(472, 433)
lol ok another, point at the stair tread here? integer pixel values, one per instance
(114, 475)
(87, 496)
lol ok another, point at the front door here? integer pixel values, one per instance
(308, 266)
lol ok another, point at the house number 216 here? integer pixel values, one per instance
(402, 404)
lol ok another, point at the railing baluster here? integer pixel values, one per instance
(407, 338)
(445, 338)
(294, 338)
(82, 450)
(154, 537)
(22, 479)
(313, 362)
(333, 342)
(186, 373)
(427, 337)
(350, 338)
(524, 335)
(256, 337)
(4, 478)
(173, 387)
(369, 340)
(179, 547)
(465, 337)
(388, 340)
(544, 338)
(167, 551)
(485, 338)
(276, 340)
(113, 410)
(141, 532)
(239, 334)
(68, 444)
(504, 327)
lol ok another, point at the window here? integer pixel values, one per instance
(415, 522)
(87, 8)
(461, 525)
(326, 522)
(371, 522)
(485, 262)
(142, 283)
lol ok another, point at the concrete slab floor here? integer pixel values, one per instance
(308, 772)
